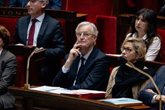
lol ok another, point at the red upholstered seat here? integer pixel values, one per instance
(161, 56)
(107, 27)
(90, 7)
(21, 70)
(9, 23)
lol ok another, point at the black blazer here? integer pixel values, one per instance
(50, 36)
(95, 75)
(7, 75)
(159, 79)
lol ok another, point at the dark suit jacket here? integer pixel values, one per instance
(7, 75)
(50, 36)
(95, 75)
(159, 79)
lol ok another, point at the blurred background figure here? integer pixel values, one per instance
(40, 30)
(162, 10)
(7, 71)
(53, 4)
(144, 26)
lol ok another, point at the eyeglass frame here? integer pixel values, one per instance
(84, 34)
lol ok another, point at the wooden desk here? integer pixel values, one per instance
(36, 100)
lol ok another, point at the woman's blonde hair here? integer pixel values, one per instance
(139, 46)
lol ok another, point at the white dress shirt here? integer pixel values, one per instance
(153, 49)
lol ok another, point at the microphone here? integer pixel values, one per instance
(35, 51)
(131, 65)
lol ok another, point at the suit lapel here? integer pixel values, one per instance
(25, 29)
(88, 64)
(42, 30)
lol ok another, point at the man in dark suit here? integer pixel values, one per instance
(53, 4)
(92, 73)
(7, 71)
(150, 96)
(47, 34)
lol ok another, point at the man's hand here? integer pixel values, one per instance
(74, 52)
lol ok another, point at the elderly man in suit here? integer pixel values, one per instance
(86, 66)
(150, 96)
(40, 30)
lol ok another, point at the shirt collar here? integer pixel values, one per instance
(1, 51)
(41, 17)
(87, 55)
(144, 37)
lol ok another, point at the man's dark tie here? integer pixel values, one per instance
(31, 32)
(80, 70)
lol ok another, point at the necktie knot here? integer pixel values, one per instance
(34, 20)
(82, 60)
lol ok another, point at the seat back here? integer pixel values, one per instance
(91, 7)
(161, 56)
(107, 27)
(9, 23)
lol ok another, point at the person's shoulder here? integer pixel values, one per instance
(156, 39)
(51, 19)
(22, 19)
(99, 54)
(151, 71)
(161, 69)
(8, 54)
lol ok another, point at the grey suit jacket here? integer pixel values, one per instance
(7, 75)
(94, 76)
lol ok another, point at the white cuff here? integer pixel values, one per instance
(65, 70)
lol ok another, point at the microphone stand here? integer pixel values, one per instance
(131, 65)
(36, 50)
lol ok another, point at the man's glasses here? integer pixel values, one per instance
(84, 34)
(32, 1)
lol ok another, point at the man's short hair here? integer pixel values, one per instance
(84, 23)
(45, 1)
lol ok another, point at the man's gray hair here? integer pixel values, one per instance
(94, 28)
(45, 1)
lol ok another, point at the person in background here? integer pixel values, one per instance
(124, 81)
(47, 34)
(162, 10)
(1, 3)
(4, 3)
(94, 73)
(150, 96)
(53, 4)
(145, 26)
(7, 71)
